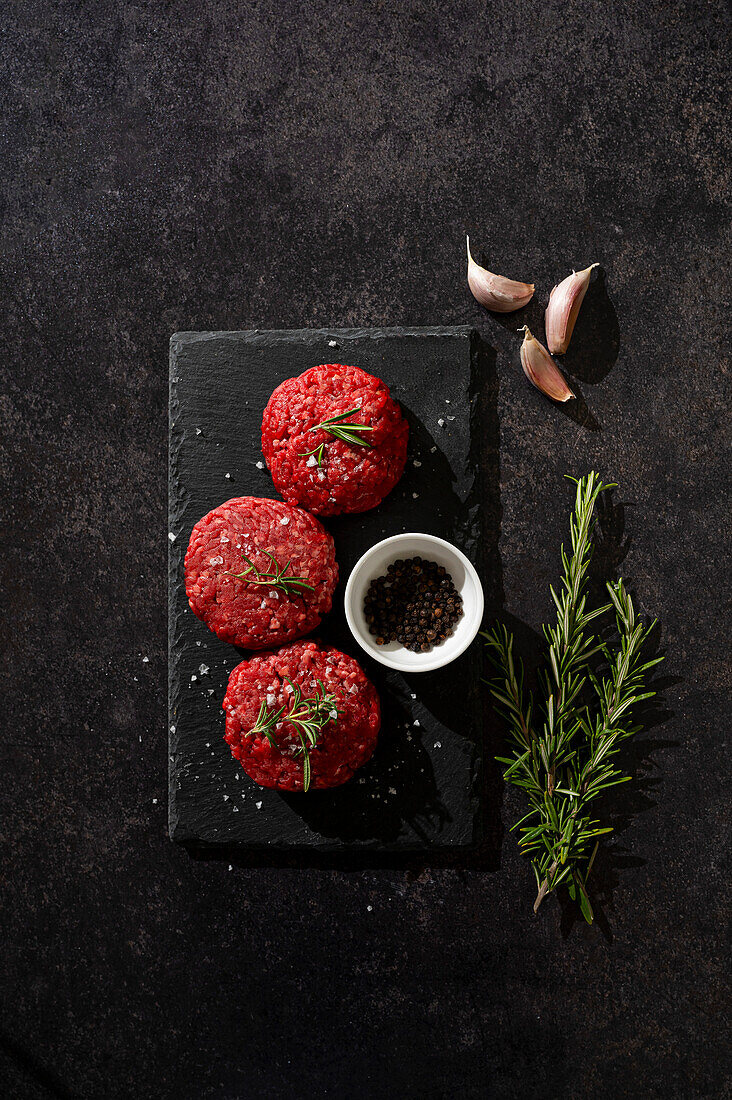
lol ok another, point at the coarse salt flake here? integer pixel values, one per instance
(171, 536)
(202, 670)
(284, 520)
(259, 465)
(312, 461)
(218, 560)
(258, 805)
(417, 463)
(271, 699)
(146, 660)
(227, 475)
(441, 422)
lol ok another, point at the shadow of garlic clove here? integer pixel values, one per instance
(541, 370)
(564, 306)
(493, 291)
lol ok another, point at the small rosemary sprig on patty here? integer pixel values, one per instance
(291, 585)
(309, 715)
(564, 749)
(340, 428)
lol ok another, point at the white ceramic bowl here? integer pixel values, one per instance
(374, 563)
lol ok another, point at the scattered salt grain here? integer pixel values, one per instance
(451, 418)
(194, 677)
(172, 729)
(259, 465)
(369, 908)
(226, 798)
(210, 691)
(392, 790)
(441, 422)
(438, 744)
(146, 660)
(224, 538)
(332, 344)
(412, 695)
(227, 475)
(432, 450)
(198, 431)
(231, 868)
(155, 801)
(271, 699)
(416, 723)
(415, 496)
(134, 678)
(235, 809)
(258, 805)
(284, 520)
(321, 475)
(312, 461)
(218, 560)
(333, 714)
(171, 536)
(448, 401)
(416, 463)
(202, 670)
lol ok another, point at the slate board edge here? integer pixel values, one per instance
(176, 551)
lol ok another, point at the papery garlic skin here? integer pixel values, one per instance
(493, 291)
(541, 370)
(564, 305)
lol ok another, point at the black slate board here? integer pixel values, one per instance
(422, 788)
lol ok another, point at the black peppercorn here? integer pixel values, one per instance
(415, 603)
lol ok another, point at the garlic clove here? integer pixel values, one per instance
(564, 305)
(541, 370)
(493, 291)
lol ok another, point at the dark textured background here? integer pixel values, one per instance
(224, 165)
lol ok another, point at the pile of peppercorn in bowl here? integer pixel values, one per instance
(261, 574)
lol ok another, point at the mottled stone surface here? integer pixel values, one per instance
(222, 165)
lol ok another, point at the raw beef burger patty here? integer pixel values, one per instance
(342, 745)
(254, 611)
(349, 477)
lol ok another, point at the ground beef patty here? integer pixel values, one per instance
(342, 476)
(289, 679)
(257, 610)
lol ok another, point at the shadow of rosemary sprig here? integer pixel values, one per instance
(564, 746)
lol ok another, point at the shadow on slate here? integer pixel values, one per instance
(425, 793)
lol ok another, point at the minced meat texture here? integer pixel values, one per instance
(259, 614)
(342, 746)
(350, 477)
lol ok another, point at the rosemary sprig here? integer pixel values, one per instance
(309, 715)
(564, 749)
(340, 428)
(291, 585)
